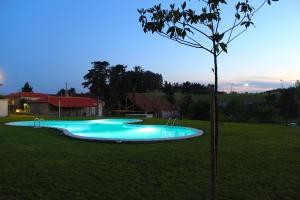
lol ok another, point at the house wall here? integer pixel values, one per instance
(100, 109)
(91, 111)
(39, 108)
(12, 104)
(72, 112)
(54, 111)
(13, 101)
(44, 108)
(3, 107)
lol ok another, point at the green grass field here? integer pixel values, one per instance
(243, 97)
(239, 97)
(256, 161)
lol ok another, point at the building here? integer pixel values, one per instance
(3, 107)
(55, 106)
(16, 100)
(158, 107)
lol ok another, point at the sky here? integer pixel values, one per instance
(51, 42)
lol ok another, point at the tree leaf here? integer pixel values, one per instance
(237, 6)
(183, 34)
(183, 5)
(223, 47)
(171, 29)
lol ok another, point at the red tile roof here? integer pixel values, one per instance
(28, 94)
(72, 102)
(148, 105)
(65, 102)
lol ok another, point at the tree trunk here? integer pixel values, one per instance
(215, 127)
(213, 147)
(216, 105)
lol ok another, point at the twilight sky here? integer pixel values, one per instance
(51, 42)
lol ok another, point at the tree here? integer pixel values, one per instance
(186, 87)
(197, 28)
(72, 91)
(137, 80)
(184, 102)
(62, 92)
(156, 99)
(201, 110)
(96, 80)
(152, 81)
(288, 103)
(169, 91)
(111, 83)
(27, 88)
(297, 85)
(117, 84)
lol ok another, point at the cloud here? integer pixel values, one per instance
(254, 84)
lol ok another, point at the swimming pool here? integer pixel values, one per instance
(117, 130)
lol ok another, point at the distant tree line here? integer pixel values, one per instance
(285, 102)
(181, 94)
(186, 88)
(280, 105)
(111, 83)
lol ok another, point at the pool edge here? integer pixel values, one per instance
(69, 134)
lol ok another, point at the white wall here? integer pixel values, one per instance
(3, 107)
(100, 109)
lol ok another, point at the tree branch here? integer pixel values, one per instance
(198, 43)
(234, 26)
(237, 35)
(184, 42)
(245, 16)
(178, 40)
(217, 25)
(194, 28)
(231, 31)
(258, 8)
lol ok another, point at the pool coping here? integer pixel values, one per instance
(294, 125)
(71, 135)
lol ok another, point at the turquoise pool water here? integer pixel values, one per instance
(116, 130)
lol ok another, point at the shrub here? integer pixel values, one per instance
(201, 110)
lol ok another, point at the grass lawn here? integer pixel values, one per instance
(256, 161)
